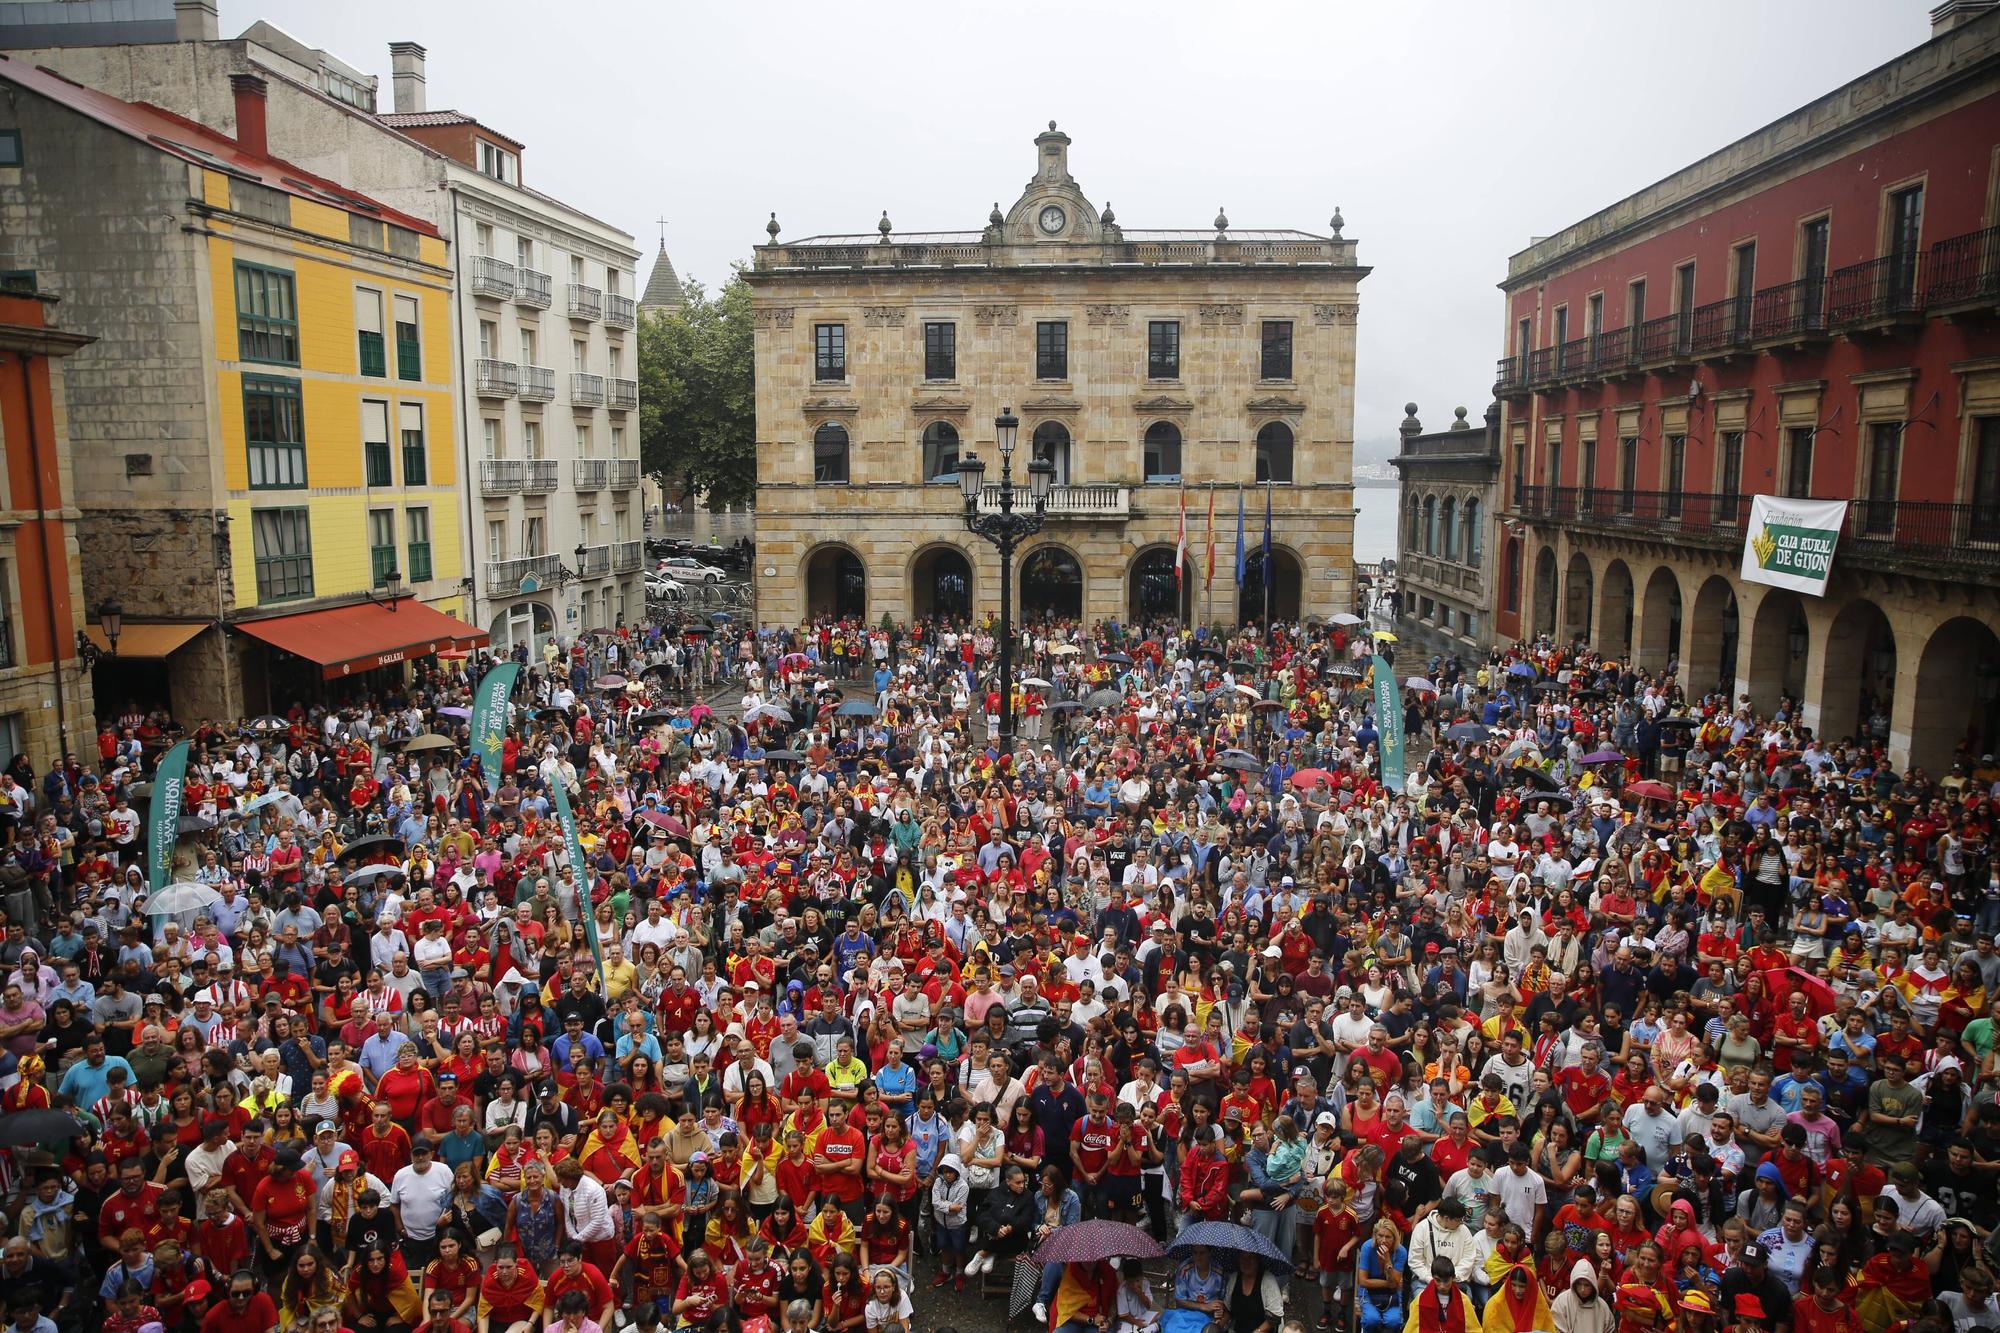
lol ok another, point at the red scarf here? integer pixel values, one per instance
(1430, 1312)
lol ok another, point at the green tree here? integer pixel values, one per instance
(697, 396)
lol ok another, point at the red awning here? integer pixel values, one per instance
(366, 635)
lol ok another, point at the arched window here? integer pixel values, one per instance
(830, 455)
(1448, 528)
(1430, 525)
(1416, 541)
(941, 452)
(1163, 452)
(1474, 537)
(1051, 441)
(1274, 454)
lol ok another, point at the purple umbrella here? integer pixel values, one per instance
(463, 714)
(1604, 757)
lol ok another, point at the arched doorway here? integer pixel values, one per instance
(836, 584)
(1545, 593)
(1151, 593)
(941, 583)
(1857, 694)
(1660, 638)
(1051, 585)
(1579, 592)
(1616, 606)
(1051, 441)
(1958, 696)
(528, 624)
(1287, 581)
(1779, 642)
(1712, 651)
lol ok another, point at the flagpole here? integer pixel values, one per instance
(1267, 558)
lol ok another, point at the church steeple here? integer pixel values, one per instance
(663, 285)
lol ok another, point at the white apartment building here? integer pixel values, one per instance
(544, 312)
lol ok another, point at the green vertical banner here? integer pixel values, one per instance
(164, 823)
(489, 719)
(578, 867)
(1389, 722)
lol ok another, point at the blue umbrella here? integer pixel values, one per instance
(856, 708)
(1229, 1236)
(1521, 669)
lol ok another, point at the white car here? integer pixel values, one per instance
(689, 570)
(659, 585)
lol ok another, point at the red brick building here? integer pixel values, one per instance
(1810, 311)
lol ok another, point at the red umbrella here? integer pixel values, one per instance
(1308, 778)
(660, 819)
(1782, 981)
(1649, 790)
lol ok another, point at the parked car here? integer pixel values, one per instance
(661, 588)
(687, 569)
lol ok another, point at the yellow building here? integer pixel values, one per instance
(268, 476)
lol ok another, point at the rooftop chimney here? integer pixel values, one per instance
(1956, 13)
(250, 114)
(406, 63)
(195, 21)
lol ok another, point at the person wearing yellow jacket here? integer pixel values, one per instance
(1443, 1306)
(1518, 1305)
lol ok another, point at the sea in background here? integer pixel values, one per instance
(1375, 522)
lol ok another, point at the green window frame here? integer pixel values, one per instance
(378, 467)
(416, 466)
(374, 354)
(409, 341)
(418, 523)
(381, 546)
(267, 315)
(282, 542)
(274, 433)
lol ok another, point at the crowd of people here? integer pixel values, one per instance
(1627, 1008)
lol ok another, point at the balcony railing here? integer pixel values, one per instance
(1720, 326)
(586, 390)
(496, 379)
(543, 474)
(620, 311)
(1792, 310)
(1923, 532)
(627, 557)
(1880, 291)
(1573, 359)
(585, 302)
(1614, 349)
(623, 394)
(624, 473)
(538, 384)
(1660, 340)
(501, 476)
(1510, 376)
(592, 474)
(596, 562)
(507, 574)
(491, 277)
(1088, 501)
(1542, 365)
(535, 289)
(1966, 268)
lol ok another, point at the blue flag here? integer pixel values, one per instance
(1239, 537)
(1267, 535)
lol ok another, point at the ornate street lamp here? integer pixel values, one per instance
(1005, 528)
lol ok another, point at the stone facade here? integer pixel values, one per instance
(905, 412)
(1444, 533)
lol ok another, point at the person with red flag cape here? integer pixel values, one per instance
(1443, 1306)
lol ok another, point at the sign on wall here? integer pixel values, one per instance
(1789, 543)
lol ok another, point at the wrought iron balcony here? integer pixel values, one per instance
(586, 390)
(623, 395)
(596, 561)
(1885, 290)
(1573, 360)
(501, 476)
(1720, 326)
(620, 312)
(543, 474)
(1613, 351)
(1510, 376)
(592, 474)
(496, 379)
(1966, 268)
(491, 277)
(1661, 341)
(585, 302)
(1791, 311)
(1089, 501)
(506, 575)
(627, 557)
(1931, 535)
(536, 289)
(538, 384)
(624, 473)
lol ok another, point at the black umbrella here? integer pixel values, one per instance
(20, 1129)
(1120, 658)
(1536, 779)
(361, 847)
(1104, 699)
(1095, 1241)
(783, 756)
(698, 631)
(1210, 650)
(1242, 759)
(1679, 720)
(653, 718)
(1242, 664)
(194, 824)
(1467, 733)
(1530, 795)
(1065, 706)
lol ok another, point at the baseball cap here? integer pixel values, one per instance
(326, 1127)
(1755, 1253)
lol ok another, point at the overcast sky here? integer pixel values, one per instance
(1449, 134)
